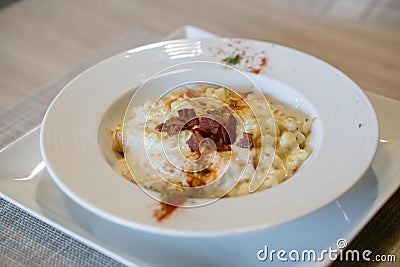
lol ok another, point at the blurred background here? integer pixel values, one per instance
(43, 41)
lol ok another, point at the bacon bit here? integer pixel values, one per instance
(190, 124)
(220, 126)
(166, 210)
(209, 124)
(187, 120)
(231, 128)
(186, 114)
(172, 126)
(246, 141)
(223, 135)
(194, 140)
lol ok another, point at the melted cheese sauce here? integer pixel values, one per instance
(159, 160)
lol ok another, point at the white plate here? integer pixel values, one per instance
(74, 146)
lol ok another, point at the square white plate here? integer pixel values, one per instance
(342, 219)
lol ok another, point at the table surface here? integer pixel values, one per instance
(45, 43)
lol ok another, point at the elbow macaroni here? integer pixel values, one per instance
(280, 141)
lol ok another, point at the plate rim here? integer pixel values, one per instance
(174, 231)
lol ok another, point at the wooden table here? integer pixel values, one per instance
(43, 42)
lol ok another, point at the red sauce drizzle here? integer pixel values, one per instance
(166, 209)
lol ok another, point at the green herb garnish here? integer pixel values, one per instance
(233, 60)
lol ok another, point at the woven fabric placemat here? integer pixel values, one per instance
(27, 241)
(381, 235)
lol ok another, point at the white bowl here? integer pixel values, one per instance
(77, 150)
